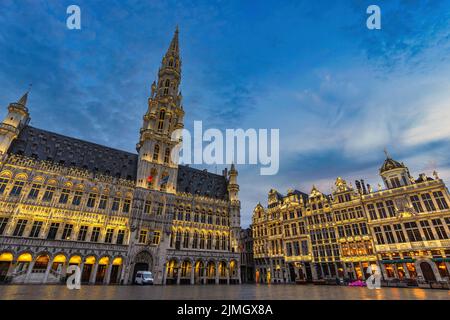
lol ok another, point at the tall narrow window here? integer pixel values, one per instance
(440, 199)
(166, 87)
(103, 201)
(428, 202)
(36, 229)
(416, 204)
(162, 115)
(379, 235)
(3, 184)
(388, 233)
(147, 206)
(95, 234)
(3, 223)
(115, 205)
(109, 235)
(91, 200)
(413, 231)
(53, 231)
(427, 230)
(381, 210)
(120, 236)
(17, 188)
(143, 236)
(167, 156)
(48, 194)
(67, 232)
(399, 233)
(20, 227)
(34, 191)
(126, 206)
(64, 197)
(77, 198)
(186, 239)
(440, 230)
(372, 212)
(391, 208)
(156, 153)
(195, 240)
(209, 241)
(82, 233)
(156, 237)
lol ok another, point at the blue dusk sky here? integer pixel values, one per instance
(338, 92)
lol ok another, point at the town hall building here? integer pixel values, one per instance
(65, 201)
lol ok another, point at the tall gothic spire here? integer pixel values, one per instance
(169, 75)
(174, 48)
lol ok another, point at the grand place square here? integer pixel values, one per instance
(88, 214)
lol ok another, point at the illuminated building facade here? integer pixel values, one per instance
(66, 202)
(403, 229)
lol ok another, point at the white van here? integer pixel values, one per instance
(143, 277)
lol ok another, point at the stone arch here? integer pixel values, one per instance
(38, 179)
(427, 270)
(6, 260)
(21, 176)
(186, 268)
(211, 269)
(222, 268)
(199, 271)
(75, 259)
(172, 270)
(6, 174)
(89, 261)
(233, 268)
(41, 262)
(142, 261)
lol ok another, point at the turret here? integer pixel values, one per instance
(233, 187)
(15, 120)
(394, 173)
(235, 208)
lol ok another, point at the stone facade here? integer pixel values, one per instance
(403, 229)
(65, 201)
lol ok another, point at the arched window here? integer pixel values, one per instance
(217, 244)
(187, 216)
(3, 183)
(166, 87)
(170, 62)
(156, 153)
(195, 240)
(202, 240)
(186, 239)
(162, 115)
(209, 241)
(167, 155)
(224, 242)
(178, 240)
(180, 213)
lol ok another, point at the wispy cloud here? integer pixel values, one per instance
(338, 92)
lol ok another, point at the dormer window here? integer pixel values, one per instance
(395, 182)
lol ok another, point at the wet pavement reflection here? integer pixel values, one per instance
(217, 292)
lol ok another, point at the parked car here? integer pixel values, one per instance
(143, 277)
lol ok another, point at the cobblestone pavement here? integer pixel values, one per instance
(218, 292)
